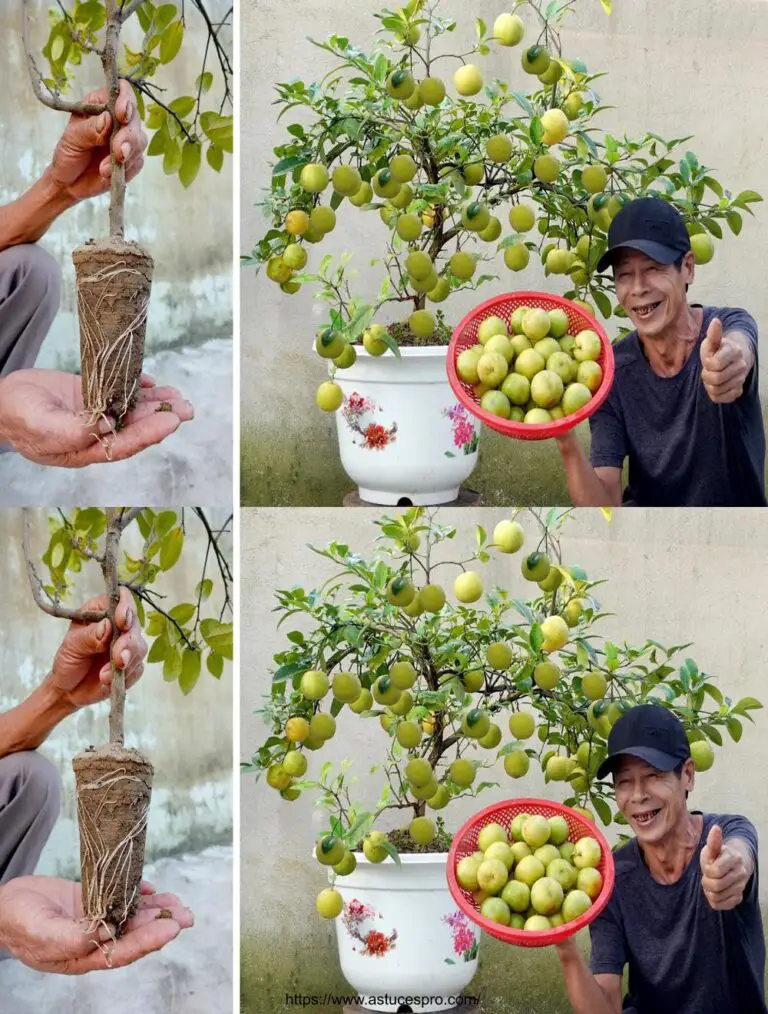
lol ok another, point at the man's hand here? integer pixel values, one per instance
(81, 165)
(42, 925)
(725, 871)
(81, 671)
(41, 415)
(725, 363)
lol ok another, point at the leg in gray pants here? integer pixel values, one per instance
(29, 807)
(30, 282)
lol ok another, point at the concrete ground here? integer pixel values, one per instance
(192, 467)
(192, 975)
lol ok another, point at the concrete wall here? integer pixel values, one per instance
(188, 232)
(676, 69)
(188, 739)
(675, 576)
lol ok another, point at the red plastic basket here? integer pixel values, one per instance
(504, 306)
(465, 843)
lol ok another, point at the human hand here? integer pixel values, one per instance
(42, 925)
(725, 367)
(82, 672)
(81, 165)
(725, 872)
(41, 415)
(567, 949)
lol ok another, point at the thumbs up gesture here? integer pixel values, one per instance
(725, 364)
(725, 870)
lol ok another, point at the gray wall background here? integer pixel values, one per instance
(676, 69)
(674, 576)
(188, 232)
(188, 739)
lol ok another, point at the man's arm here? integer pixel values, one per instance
(29, 724)
(588, 993)
(588, 486)
(28, 218)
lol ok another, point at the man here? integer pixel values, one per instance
(684, 913)
(40, 409)
(684, 409)
(40, 916)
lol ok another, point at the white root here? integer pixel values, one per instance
(109, 866)
(109, 358)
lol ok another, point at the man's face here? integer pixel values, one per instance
(651, 294)
(652, 801)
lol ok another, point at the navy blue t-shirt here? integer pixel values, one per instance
(683, 956)
(683, 449)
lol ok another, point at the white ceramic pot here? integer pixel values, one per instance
(403, 943)
(403, 436)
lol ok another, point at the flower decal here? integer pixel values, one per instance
(374, 436)
(466, 433)
(375, 943)
(465, 940)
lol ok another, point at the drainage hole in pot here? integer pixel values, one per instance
(404, 501)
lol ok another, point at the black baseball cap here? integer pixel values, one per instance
(648, 224)
(652, 733)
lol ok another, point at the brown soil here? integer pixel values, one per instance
(114, 279)
(405, 845)
(114, 786)
(405, 337)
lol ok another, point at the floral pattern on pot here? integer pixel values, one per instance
(375, 943)
(374, 435)
(466, 434)
(465, 939)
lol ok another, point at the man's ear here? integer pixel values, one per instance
(688, 267)
(688, 775)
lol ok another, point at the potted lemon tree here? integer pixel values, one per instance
(449, 677)
(470, 174)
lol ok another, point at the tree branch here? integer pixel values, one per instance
(128, 516)
(147, 90)
(42, 92)
(109, 63)
(145, 596)
(129, 8)
(109, 570)
(39, 594)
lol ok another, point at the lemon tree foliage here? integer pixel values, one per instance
(183, 636)
(466, 174)
(183, 128)
(460, 683)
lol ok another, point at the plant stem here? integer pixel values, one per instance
(109, 62)
(109, 570)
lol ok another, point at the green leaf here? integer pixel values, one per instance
(157, 144)
(734, 221)
(713, 733)
(204, 589)
(183, 106)
(218, 636)
(215, 157)
(536, 637)
(171, 40)
(159, 649)
(171, 157)
(183, 612)
(603, 302)
(204, 82)
(747, 197)
(747, 704)
(190, 162)
(215, 664)
(156, 624)
(607, 6)
(171, 548)
(603, 809)
(390, 849)
(536, 130)
(734, 728)
(163, 16)
(190, 670)
(172, 665)
(286, 164)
